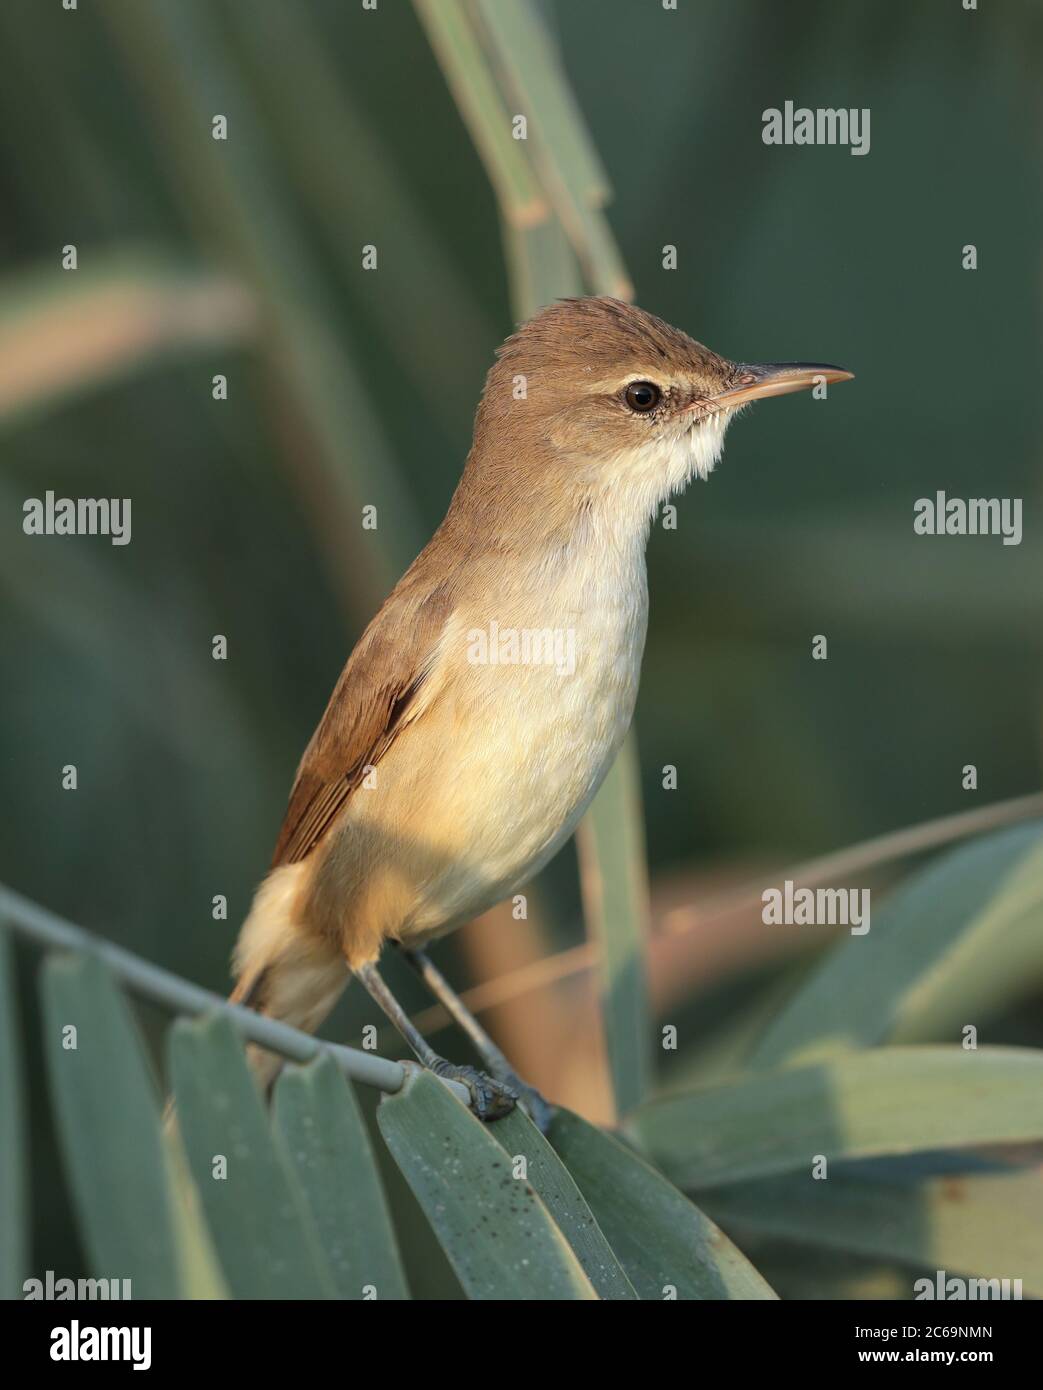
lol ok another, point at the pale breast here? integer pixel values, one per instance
(546, 691)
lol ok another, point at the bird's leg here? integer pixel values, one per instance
(491, 1098)
(538, 1110)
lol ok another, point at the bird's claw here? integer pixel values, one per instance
(490, 1099)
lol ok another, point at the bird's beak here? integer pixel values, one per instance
(778, 379)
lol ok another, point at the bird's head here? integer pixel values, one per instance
(609, 400)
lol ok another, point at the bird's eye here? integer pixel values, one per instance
(642, 396)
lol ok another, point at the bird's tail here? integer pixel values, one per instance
(281, 970)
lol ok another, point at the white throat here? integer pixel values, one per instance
(640, 480)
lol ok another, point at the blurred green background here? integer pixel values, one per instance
(348, 386)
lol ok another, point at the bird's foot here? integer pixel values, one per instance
(490, 1099)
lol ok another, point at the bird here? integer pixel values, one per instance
(482, 707)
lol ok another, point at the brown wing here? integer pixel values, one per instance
(370, 703)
